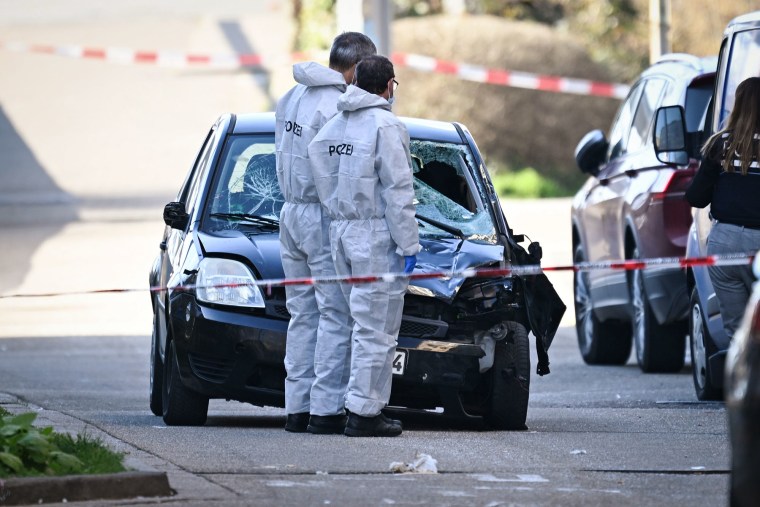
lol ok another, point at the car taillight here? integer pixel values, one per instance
(676, 210)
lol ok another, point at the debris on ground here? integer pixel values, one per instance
(422, 464)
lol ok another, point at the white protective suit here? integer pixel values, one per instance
(362, 170)
(317, 354)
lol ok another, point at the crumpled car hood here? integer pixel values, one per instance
(446, 254)
(451, 255)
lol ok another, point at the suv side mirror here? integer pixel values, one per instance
(670, 136)
(590, 152)
(175, 215)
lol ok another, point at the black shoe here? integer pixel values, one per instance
(389, 420)
(385, 418)
(377, 426)
(327, 424)
(297, 423)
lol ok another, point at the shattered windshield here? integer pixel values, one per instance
(449, 200)
(246, 194)
(449, 196)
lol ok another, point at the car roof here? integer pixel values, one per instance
(751, 19)
(441, 131)
(682, 66)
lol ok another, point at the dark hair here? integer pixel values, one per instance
(348, 48)
(373, 73)
(742, 126)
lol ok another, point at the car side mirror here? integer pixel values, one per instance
(536, 251)
(590, 152)
(175, 215)
(670, 136)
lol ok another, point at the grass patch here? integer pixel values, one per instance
(94, 455)
(526, 183)
(28, 451)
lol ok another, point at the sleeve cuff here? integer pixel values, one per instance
(414, 250)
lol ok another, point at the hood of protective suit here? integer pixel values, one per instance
(355, 98)
(300, 114)
(314, 74)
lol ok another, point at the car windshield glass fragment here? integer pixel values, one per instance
(246, 193)
(448, 192)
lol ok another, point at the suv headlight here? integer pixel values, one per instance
(227, 282)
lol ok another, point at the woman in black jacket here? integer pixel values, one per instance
(729, 180)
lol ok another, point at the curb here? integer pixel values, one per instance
(141, 481)
(73, 488)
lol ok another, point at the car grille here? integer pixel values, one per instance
(423, 328)
(281, 310)
(211, 369)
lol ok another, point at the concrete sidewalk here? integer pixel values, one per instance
(141, 479)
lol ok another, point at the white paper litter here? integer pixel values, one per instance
(422, 464)
(578, 451)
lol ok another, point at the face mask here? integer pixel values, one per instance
(391, 100)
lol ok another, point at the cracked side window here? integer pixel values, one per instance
(449, 191)
(247, 183)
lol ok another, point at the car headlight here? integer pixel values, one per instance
(227, 282)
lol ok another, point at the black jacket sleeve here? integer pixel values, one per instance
(700, 192)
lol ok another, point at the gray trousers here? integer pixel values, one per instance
(365, 247)
(733, 284)
(318, 346)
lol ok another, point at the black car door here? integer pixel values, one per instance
(176, 242)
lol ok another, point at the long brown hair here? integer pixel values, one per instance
(743, 125)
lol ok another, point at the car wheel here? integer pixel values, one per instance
(659, 348)
(156, 371)
(599, 342)
(181, 406)
(701, 347)
(510, 380)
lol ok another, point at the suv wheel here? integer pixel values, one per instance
(599, 342)
(181, 406)
(659, 347)
(510, 381)
(701, 347)
(156, 372)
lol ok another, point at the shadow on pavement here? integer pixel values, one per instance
(32, 206)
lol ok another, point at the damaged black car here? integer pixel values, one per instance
(463, 349)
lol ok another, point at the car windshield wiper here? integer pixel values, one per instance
(444, 227)
(245, 217)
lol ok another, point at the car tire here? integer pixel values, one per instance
(659, 347)
(510, 380)
(181, 406)
(701, 347)
(599, 342)
(156, 372)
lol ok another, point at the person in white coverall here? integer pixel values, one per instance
(317, 353)
(363, 173)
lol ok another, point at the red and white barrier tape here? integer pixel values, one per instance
(627, 265)
(514, 79)
(463, 71)
(131, 56)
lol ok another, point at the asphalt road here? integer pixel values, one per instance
(89, 153)
(596, 436)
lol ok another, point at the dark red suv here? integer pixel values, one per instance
(631, 207)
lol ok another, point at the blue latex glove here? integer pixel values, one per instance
(409, 262)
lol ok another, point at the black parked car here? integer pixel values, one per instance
(463, 344)
(742, 383)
